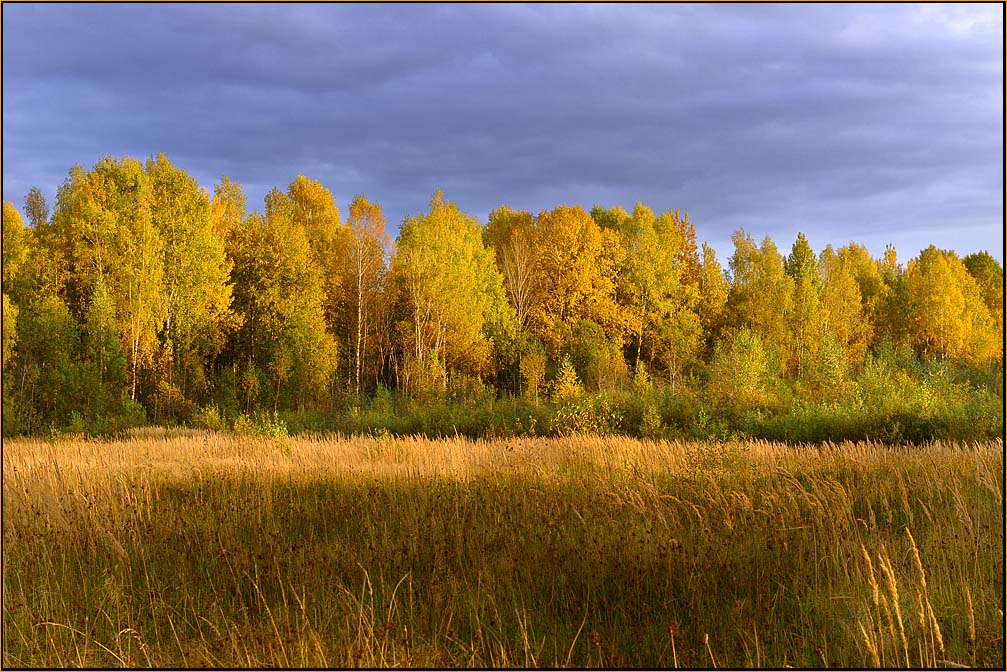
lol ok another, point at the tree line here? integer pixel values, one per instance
(141, 296)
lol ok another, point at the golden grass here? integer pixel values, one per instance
(189, 548)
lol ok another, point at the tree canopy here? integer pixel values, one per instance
(139, 295)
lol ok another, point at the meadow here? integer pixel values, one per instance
(181, 547)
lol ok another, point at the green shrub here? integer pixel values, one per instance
(77, 425)
(131, 414)
(264, 424)
(208, 417)
(589, 415)
(650, 424)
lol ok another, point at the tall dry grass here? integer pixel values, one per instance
(183, 548)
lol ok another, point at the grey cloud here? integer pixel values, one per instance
(843, 121)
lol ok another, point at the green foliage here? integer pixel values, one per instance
(263, 424)
(586, 415)
(740, 374)
(209, 417)
(598, 361)
(650, 424)
(131, 414)
(49, 376)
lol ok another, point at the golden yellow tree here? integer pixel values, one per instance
(843, 311)
(805, 316)
(948, 315)
(512, 236)
(450, 293)
(575, 275)
(761, 292)
(365, 269)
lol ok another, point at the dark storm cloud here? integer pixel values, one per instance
(868, 122)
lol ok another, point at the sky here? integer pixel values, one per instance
(867, 122)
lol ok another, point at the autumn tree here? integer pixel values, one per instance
(450, 294)
(365, 270)
(761, 292)
(533, 369)
(892, 318)
(989, 277)
(949, 318)
(102, 229)
(713, 287)
(197, 294)
(311, 206)
(512, 236)
(278, 290)
(228, 210)
(843, 311)
(805, 317)
(16, 241)
(575, 276)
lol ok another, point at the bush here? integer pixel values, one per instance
(170, 404)
(263, 424)
(208, 417)
(590, 415)
(131, 414)
(566, 386)
(305, 420)
(650, 424)
(77, 425)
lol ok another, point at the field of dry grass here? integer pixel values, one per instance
(187, 548)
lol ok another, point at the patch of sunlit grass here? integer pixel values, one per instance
(190, 548)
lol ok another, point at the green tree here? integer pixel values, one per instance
(48, 380)
(802, 263)
(824, 371)
(651, 285)
(36, 208)
(102, 229)
(740, 373)
(101, 346)
(598, 360)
